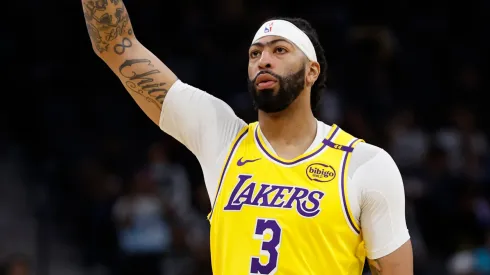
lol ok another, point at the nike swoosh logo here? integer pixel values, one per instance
(241, 163)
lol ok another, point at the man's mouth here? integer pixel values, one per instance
(265, 81)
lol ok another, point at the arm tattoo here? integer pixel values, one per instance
(138, 74)
(106, 21)
(121, 47)
(110, 29)
(374, 267)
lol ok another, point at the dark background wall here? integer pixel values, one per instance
(407, 76)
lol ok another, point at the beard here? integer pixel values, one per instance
(290, 88)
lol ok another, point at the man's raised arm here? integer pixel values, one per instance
(145, 77)
(203, 123)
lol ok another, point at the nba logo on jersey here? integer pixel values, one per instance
(268, 28)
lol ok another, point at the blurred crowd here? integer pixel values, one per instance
(104, 181)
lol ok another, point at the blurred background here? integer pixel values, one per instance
(75, 149)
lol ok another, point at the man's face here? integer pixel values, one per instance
(276, 73)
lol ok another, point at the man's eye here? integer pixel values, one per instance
(254, 54)
(280, 50)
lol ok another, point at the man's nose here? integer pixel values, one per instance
(265, 61)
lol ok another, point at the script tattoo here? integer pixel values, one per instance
(138, 73)
(106, 20)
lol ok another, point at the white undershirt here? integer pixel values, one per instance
(207, 126)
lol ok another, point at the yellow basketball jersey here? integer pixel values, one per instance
(285, 217)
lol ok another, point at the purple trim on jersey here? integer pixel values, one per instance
(338, 146)
(230, 156)
(342, 183)
(325, 144)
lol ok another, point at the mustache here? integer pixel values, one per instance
(278, 77)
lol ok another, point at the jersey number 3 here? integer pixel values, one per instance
(268, 248)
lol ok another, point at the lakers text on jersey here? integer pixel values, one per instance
(287, 217)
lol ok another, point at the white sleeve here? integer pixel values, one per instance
(381, 201)
(203, 123)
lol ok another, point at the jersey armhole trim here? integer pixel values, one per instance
(355, 226)
(238, 139)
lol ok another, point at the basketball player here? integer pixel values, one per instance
(290, 194)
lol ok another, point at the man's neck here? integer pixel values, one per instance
(295, 125)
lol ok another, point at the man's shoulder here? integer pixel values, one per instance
(365, 152)
(243, 130)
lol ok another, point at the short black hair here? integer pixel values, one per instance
(320, 83)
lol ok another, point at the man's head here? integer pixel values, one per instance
(285, 59)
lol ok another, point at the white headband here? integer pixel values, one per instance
(290, 32)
